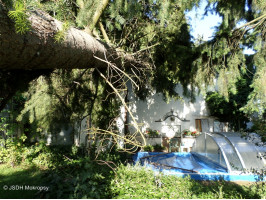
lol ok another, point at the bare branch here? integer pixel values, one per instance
(112, 65)
(126, 106)
(251, 22)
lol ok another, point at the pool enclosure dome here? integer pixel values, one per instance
(214, 156)
(229, 150)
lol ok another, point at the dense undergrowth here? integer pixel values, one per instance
(72, 172)
(138, 182)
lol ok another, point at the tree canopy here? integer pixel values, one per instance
(154, 35)
(223, 56)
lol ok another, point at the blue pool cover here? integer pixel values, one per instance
(190, 164)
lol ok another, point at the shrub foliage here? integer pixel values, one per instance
(137, 182)
(71, 173)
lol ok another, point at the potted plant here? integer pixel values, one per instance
(158, 148)
(152, 133)
(149, 148)
(186, 133)
(194, 133)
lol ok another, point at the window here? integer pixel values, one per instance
(198, 125)
(202, 125)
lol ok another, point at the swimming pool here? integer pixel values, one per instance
(214, 156)
(190, 164)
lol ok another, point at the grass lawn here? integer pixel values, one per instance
(19, 182)
(25, 182)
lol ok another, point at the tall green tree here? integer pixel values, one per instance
(229, 110)
(136, 33)
(223, 56)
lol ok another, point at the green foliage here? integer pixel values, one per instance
(17, 152)
(136, 182)
(8, 123)
(83, 176)
(226, 111)
(154, 148)
(218, 60)
(20, 176)
(63, 10)
(61, 34)
(6, 127)
(66, 97)
(258, 190)
(3, 124)
(85, 180)
(257, 98)
(152, 133)
(158, 148)
(71, 174)
(86, 12)
(229, 109)
(12, 151)
(148, 148)
(20, 17)
(13, 83)
(259, 126)
(222, 57)
(155, 33)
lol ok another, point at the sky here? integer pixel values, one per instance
(205, 25)
(202, 25)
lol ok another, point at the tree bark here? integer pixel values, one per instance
(37, 49)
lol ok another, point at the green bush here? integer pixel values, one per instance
(152, 133)
(12, 151)
(72, 174)
(85, 176)
(148, 148)
(81, 179)
(15, 152)
(158, 148)
(258, 189)
(259, 127)
(133, 182)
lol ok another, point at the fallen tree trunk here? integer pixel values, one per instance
(25, 57)
(37, 49)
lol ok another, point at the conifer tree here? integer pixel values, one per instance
(223, 56)
(151, 37)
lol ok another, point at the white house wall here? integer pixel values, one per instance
(154, 108)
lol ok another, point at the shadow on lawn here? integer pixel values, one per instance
(20, 183)
(226, 189)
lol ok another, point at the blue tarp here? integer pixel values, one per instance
(189, 164)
